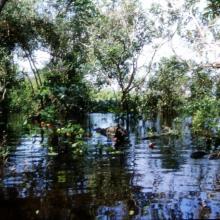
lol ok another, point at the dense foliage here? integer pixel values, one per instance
(167, 89)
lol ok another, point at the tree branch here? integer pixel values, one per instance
(134, 71)
(32, 68)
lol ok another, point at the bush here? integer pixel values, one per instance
(205, 114)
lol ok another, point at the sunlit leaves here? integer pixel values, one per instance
(205, 115)
(167, 88)
(201, 84)
(18, 25)
(118, 38)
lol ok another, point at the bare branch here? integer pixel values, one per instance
(154, 54)
(213, 65)
(200, 29)
(32, 68)
(120, 79)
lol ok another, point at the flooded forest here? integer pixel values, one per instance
(109, 109)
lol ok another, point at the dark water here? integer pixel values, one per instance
(139, 183)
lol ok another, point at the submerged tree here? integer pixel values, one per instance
(167, 89)
(65, 87)
(118, 38)
(203, 104)
(201, 84)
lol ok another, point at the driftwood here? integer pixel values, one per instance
(215, 65)
(116, 132)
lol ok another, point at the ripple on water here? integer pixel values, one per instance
(140, 183)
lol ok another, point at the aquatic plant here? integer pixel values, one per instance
(72, 135)
(4, 152)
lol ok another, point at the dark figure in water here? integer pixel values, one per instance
(113, 132)
(101, 131)
(198, 154)
(120, 134)
(117, 133)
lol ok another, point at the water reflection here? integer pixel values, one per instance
(140, 183)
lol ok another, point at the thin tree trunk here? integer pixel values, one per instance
(36, 70)
(3, 90)
(35, 74)
(124, 106)
(3, 95)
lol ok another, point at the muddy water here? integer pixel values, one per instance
(139, 183)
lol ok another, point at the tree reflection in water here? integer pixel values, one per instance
(139, 183)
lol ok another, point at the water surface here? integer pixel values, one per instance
(139, 183)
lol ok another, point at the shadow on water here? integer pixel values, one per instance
(139, 183)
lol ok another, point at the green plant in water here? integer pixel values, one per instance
(78, 148)
(205, 115)
(4, 151)
(72, 131)
(72, 134)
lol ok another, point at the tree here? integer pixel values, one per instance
(212, 9)
(20, 27)
(202, 104)
(167, 89)
(201, 84)
(119, 36)
(193, 27)
(65, 82)
(7, 73)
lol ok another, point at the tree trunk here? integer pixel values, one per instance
(2, 93)
(32, 68)
(124, 107)
(124, 102)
